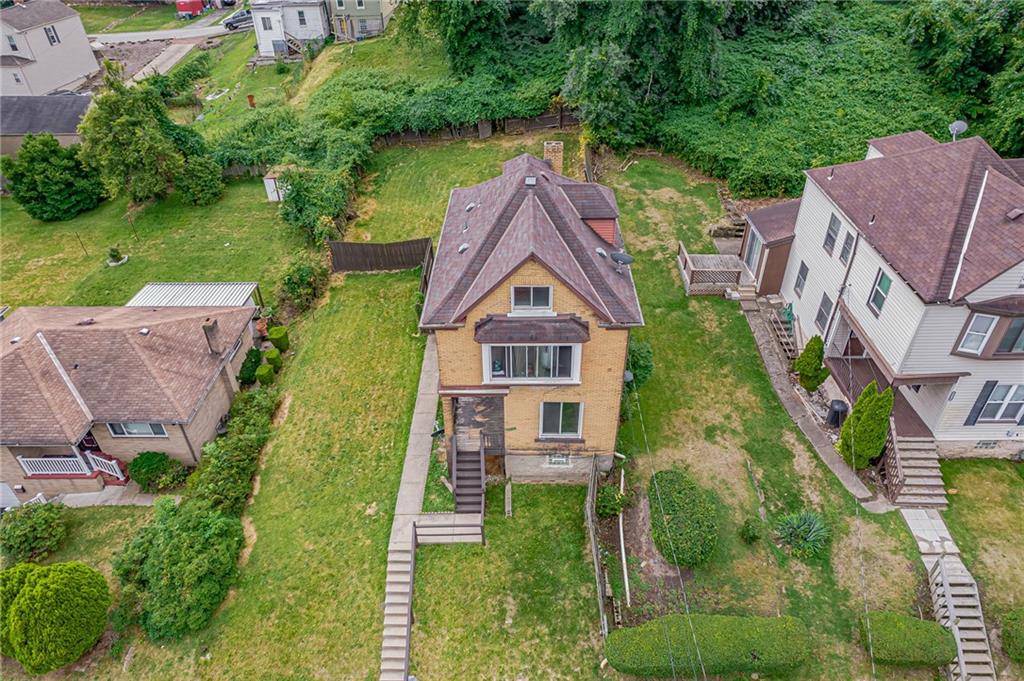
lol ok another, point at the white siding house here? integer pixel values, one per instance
(44, 48)
(285, 27)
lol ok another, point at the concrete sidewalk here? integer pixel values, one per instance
(111, 495)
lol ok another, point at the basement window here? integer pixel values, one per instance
(559, 460)
(985, 444)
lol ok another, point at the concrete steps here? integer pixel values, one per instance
(922, 478)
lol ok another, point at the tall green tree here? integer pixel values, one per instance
(125, 135)
(50, 181)
(471, 31)
(864, 432)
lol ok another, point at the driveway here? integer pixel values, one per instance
(190, 33)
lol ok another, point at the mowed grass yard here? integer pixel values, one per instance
(239, 238)
(710, 407)
(126, 18)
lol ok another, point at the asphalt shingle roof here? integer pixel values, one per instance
(33, 13)
(55, 114)
(777, 223)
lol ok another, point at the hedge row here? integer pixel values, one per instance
(684, 522)
(664, 647)
(906, 641)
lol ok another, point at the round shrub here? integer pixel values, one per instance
(274, 358)
(809, 365)
(663, 647)
(750, 531)
(906, 641)
(60, 613)
(11, 581)
(610, 501)
(148, 468)
(684, 522)
(252, 361)
(32, 531)
(278, 337)
(1013, 635)
(201, 181)
(265, 374)
(806, 534)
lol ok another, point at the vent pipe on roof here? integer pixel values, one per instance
(1015, 213)
(463, 248)
(831, 173)
(872, 220)
(88, 321)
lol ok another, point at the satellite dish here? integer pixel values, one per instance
(957, 128)
(621, 259)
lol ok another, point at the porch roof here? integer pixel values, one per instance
(776, 224)
(564, 328)
(852, 374)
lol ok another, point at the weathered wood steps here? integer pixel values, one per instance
(957, 606)
(922, 479)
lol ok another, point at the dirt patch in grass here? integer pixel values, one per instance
(762, 574)
(720, 466)
(889, 578)
(807, 468)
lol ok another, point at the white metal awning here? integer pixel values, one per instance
(196, 294)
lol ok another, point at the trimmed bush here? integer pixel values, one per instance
(906, 641)
(864, 432)
(32, 531)
(727, 645)
(684, 525)
(610, 501)
(50, 181)
(809, 365)
(278, 337)
(11, 581)
(201, 181)
(265, 375)
(1013, 635)
(59, 613)
(750, 531)
(182, 564)
(155, 471)
(640, 362)
(274, 359)
(252, 361)
(806, 534)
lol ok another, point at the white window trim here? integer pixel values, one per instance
(360, 4)
(485, 356)
(1001, 416)
(340, 4)
(564, 462)
(560, 436)
(828, 314)
(530, 311)
(885, 296)
(798, 286)
(126, 435)
(847, 241)
(985, 340)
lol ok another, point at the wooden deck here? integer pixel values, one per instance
(864, 370)
(712, 273)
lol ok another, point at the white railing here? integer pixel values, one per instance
(105, 465)
(53, 465)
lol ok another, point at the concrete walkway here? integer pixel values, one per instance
(189, 33)
(801, 415)
(164, 61)
(111, 495)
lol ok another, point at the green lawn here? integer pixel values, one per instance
(521, 606)
(240, 238)
(94, 534)
(102, 18)
(710, 407)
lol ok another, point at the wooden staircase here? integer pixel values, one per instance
(783, 333)
(294, 44)
(394, 656)
(957, 606)
(468, 481)
(921, 485)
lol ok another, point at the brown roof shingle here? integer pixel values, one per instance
(777, 223)
(903, 142)
(60, 375)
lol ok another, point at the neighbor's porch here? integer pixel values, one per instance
(63, 468)
(711, 274)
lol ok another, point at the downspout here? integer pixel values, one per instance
(191, 449)
(842, 289)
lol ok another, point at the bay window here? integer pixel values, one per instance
(1013, 339)
(532, 362)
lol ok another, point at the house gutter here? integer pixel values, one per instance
(191, 449)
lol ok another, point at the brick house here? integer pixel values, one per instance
(86, 389)
(532, 318)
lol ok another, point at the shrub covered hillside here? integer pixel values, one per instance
(806, 93)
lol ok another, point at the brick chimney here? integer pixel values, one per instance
(553, 155)
(212, 333)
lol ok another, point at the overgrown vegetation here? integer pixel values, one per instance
(683, 518)
(155, 471)
(864, 432)
(610, 501)
(32, 531)
(1013, 635)
(252, 361)
(304, 281)
(905, 641)
(664, 647)
(50, 181)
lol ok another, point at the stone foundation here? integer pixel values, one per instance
(537, 468)
(970, 449)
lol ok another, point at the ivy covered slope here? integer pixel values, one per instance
(806, 93)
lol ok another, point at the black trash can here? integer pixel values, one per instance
(837, 412)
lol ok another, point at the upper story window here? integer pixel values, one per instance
(1013, 338)
(302, 18)
(12, 43)
(360, 4)
(801, 279)
(531, 299)
(880, 291)
(532, 363)
(844, 253)
(340, 4)
(136, 430)
(977, 334)
(1004, 404)
(17, 78)
(266, 23)
(824, 312)
(51, 34)
(831, 235)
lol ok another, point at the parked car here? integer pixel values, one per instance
(240, 19)
(228, 3)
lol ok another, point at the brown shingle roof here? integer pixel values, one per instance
(922, 202)
(563, 328)
(509, 223)
(59, 375)
(776, 223)
(902, 143)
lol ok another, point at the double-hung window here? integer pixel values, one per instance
(533, 362)
(302, 18)
(360, 4)
(51, 34)
(340, 4)
(801, 279)
(266, 23)
(12, 42)
(531, 299)
(977, 334)
(880, 291)
(847, 249)
(136, 430)
(1006, 403)
(824, 312)
(1013, 339)
(831, 235)
(561, 419)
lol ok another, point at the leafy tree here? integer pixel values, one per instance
(472, 31)
(1004, 128)
(124, 135)
(59, 613)
(201, 182)
(32, 531)
(864, 432)
(50, 181)
(809, 365)
(312, 195)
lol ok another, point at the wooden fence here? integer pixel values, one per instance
(595, 550)
(352, 256)
(559, 118)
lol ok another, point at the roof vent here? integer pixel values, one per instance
(601, 252)
(872, 220)
(144, 331)
(470, 207)
(531, 181)
(15, 340)
(465, 226)
(463, 247)
(1015, 213)
(831, 173)
(88, 321)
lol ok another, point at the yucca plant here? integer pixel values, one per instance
(806, 534)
